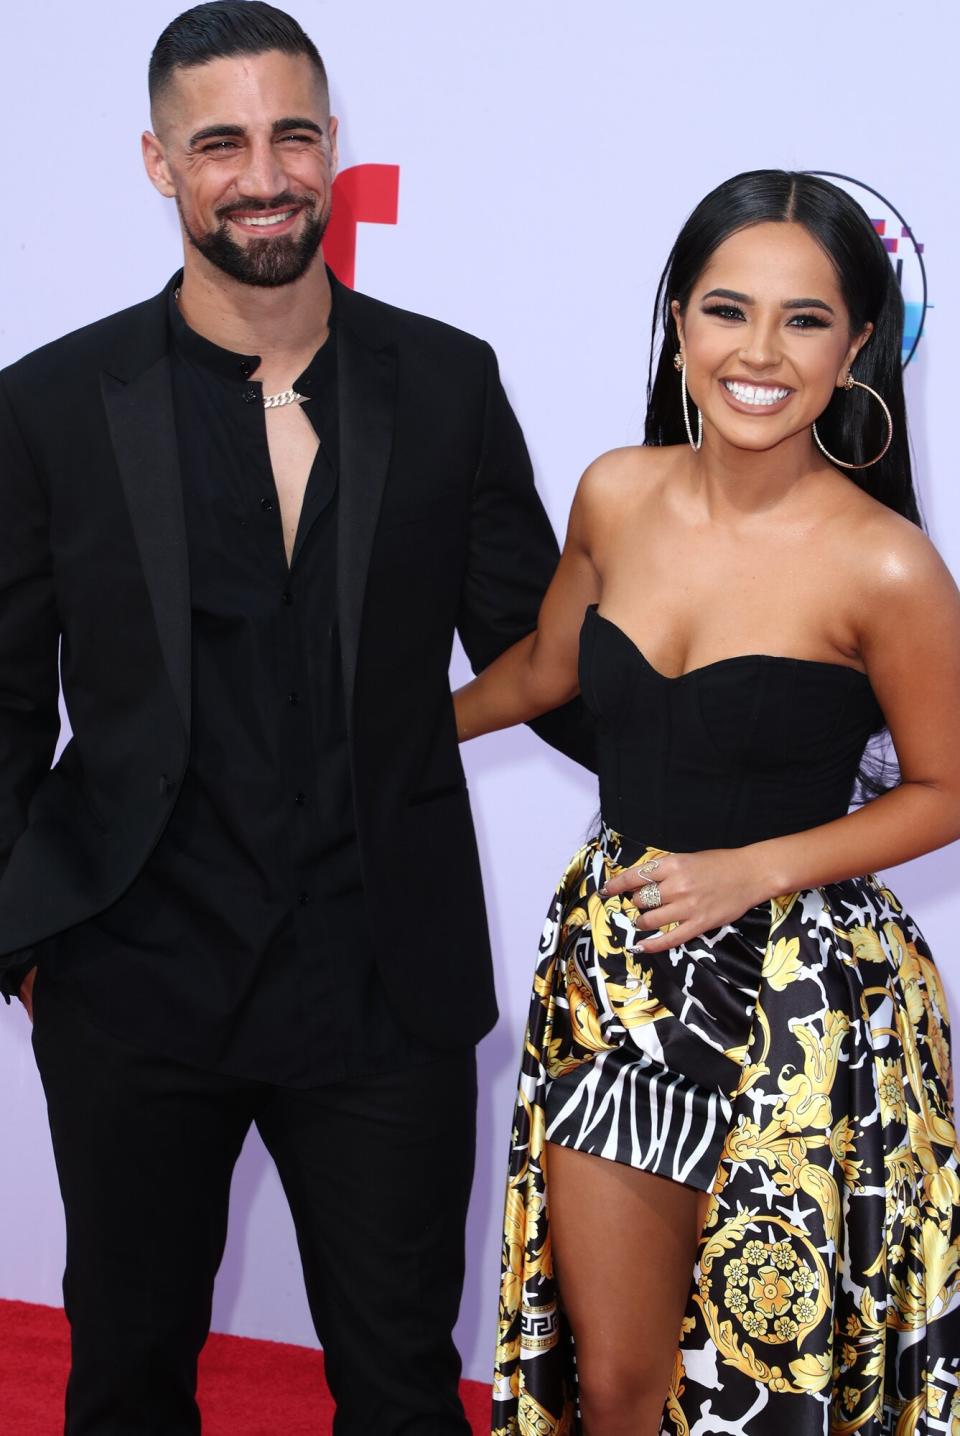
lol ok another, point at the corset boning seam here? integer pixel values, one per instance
(728, 755)
(739, 793)
(739, 789)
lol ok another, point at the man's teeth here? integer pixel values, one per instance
(754, 393)
(264, 220)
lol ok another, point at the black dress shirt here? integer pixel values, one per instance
(245, 944)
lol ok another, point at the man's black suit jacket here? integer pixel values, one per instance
(440, 528)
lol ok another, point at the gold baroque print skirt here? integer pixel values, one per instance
(804, 1050)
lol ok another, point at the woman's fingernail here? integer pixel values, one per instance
(639, 947)
(603, 890)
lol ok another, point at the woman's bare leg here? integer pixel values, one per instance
(624, 1244)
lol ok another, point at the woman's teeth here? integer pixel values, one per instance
(759, 394)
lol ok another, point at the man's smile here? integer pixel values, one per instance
(274, 221)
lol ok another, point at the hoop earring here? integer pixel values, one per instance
(848, 384)
(686, 412)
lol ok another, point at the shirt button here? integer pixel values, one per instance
(249, 396)
(266, 505)
(300, 799)
(286, 598)
(303, 899)
(246, 368)
(293, 699)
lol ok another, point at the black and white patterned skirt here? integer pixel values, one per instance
(655, 1095)
(796, 1065)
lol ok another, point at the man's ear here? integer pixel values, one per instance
(155, 163)
(333, 127)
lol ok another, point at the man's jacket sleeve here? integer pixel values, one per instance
(511, 558)
(29, 642)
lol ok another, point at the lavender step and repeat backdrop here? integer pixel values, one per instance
(519, 169)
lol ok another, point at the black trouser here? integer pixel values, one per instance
(377, 1173)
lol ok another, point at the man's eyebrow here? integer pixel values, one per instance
(237, 132)
(297, 122)
(217, 132)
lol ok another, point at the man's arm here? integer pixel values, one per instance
(29, 639)
(511, 559)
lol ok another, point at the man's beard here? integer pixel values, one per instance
(267, 263)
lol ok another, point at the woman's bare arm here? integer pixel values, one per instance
(540, 672)
(910, 641)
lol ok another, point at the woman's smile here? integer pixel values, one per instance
(748, 397)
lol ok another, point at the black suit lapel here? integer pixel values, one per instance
(142, 426)
(138, 397)
(367, 382)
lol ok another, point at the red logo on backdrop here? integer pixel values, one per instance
(363, 194)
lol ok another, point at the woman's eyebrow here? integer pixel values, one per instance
(787, 303)
(806, 304)
(729, 294)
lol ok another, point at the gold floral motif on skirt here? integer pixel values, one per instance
(826, 1294)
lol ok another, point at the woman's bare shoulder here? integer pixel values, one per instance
(884, 544)
(892, 563)
(623, 475)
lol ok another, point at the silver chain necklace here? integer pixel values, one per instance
(270, 401)
(280, 401)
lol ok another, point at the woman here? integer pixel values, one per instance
(721, 1080)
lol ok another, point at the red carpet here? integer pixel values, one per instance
(247, 1388)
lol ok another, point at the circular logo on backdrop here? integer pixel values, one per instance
(906, 253)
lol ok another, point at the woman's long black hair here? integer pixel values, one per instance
(852, 426)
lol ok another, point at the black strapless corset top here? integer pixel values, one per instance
(742, 749)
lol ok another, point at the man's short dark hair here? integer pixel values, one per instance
(222, 28)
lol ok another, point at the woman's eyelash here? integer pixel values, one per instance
(799, 321)
(724, 311)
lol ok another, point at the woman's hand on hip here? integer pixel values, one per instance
(688, 894)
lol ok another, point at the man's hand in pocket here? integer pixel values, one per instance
(26, 991)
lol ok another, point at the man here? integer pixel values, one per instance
(249, 890)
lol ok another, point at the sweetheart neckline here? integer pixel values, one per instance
(718, 662)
